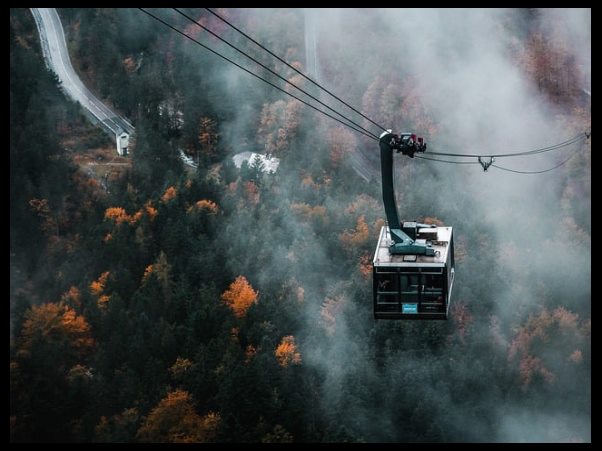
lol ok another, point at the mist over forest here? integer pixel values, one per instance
(155, 302)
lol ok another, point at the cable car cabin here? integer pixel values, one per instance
(409, 286)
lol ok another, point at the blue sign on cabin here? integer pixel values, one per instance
(409, 308)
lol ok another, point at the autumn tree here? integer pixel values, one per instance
(278, 125)
(97, 288)
(174, 420)
(57, 329)
(551, 65)
(357, 237)
(169, 194)
(382, 100)
(365, 265)
(205, 205)
(286, 352)
(119, 216)
(240, 296)
(559, 329)
(341, 142)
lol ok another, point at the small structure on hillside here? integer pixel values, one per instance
(123, 141)
(269, 164)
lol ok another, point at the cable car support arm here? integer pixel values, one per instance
(403, 235)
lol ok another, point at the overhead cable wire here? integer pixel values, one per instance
(445, 161)
(581, 136)
(255, 75)
(315, 83)
(497, 166)
(533, 172)
(225, 41)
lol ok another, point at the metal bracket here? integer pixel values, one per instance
(485, 164)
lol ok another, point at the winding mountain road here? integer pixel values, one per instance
(56, 56)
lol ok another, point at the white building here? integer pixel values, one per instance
(270, 164)
(123, 141)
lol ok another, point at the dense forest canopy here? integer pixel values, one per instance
(164, 304)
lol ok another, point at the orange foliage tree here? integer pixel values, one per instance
(240, 296)
(117, 214)
(269, 125)
(174, 420)
(205, 205)
(278, 124)
(341, 141)
(58, 326)
(365, 266)
(551, 65)
(357, 237)
(120, 216)
(559, 329)
(287, 353)
(147, 272)
(97, 286)
(169, 194)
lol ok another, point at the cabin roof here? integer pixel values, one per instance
(382, 257)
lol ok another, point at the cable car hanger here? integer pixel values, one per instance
(413, 266)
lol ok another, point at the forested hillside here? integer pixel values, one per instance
(227, 305)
